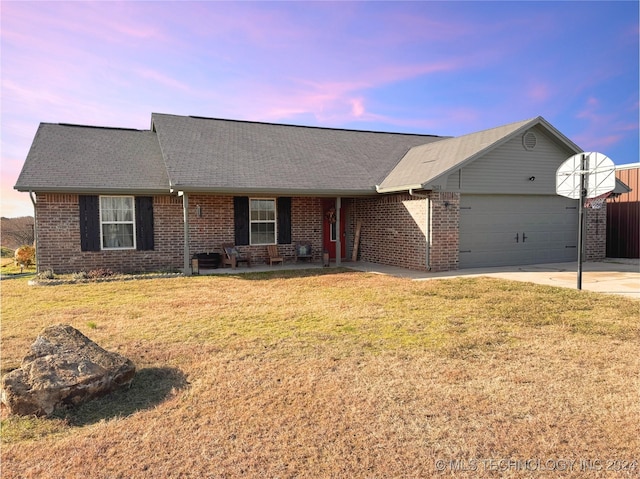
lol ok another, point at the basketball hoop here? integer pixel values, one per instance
(597, 202)
(589, 178)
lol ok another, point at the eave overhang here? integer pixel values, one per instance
(253, 191)
(92, 191)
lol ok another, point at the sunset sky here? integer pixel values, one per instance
(445, 68)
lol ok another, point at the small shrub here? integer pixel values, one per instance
(100, 273)
(47, 274)
(92, 325)
(25, 256)
(80, 275)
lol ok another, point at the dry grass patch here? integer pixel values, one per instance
(333, 375)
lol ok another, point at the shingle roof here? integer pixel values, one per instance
(70, 158)
(425, 163)
(213, 155)
(208, 155)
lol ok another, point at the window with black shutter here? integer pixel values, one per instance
(284, 220)
(241, 219)
(117, 222)
(144, 223)
(89, 223)
(259, 220)
(112, 222)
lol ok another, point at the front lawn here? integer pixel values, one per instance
(336, 374)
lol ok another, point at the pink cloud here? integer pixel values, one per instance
(113, 22)
(539, 92)
(398, 72)
(12, 202)
(162, 79)
(602, 130)
(357, 107)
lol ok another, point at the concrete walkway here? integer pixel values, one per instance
(612, 276)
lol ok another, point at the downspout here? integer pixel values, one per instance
(338, 229)
(185, 212)
(35, 229)
(427, 220)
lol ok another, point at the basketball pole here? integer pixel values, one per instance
(583, 196)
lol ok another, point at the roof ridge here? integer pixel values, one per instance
(521, 122)
(97, 127)
(328, 128)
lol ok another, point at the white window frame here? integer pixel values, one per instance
(131, 222)
(333, 237)
(274, 221)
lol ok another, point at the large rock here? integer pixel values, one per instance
(64, 368)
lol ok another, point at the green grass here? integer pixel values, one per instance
(329, 373)
(9, 268)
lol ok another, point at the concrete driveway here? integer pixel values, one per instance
(611, 276)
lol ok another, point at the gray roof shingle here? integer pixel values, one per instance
(213, 155)
(194, 154)
(70, 158)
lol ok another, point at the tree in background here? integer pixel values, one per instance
(17, 232)
(25, 256)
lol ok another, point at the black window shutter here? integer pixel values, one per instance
(241, 219)
(89, 223)
(144, 223)
(284, 220)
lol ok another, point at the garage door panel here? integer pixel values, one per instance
(502, 230)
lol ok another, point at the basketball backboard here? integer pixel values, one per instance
(600, 176)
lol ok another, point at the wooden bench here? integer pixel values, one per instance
(231, 256)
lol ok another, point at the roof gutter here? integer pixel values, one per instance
(93, 191)
(35, 228)
(274, 191)
(398, 189)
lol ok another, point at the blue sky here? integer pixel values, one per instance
(445, 68)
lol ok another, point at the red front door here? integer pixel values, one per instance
(329, 229)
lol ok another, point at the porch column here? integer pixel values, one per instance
(185, 214)
(338, 235)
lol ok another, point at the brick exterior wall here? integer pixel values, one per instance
(58, 234)
(58, 239)
(216, 226)
(595, 241)
(306, 226)
(393, 232)
(445, 234)
(394, 228)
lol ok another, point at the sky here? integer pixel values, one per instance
(443, 68)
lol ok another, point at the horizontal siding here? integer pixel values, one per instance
(507, 169)
(631, 178)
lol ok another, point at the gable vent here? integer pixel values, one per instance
(529, 140)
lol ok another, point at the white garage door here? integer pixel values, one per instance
(505, 230)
